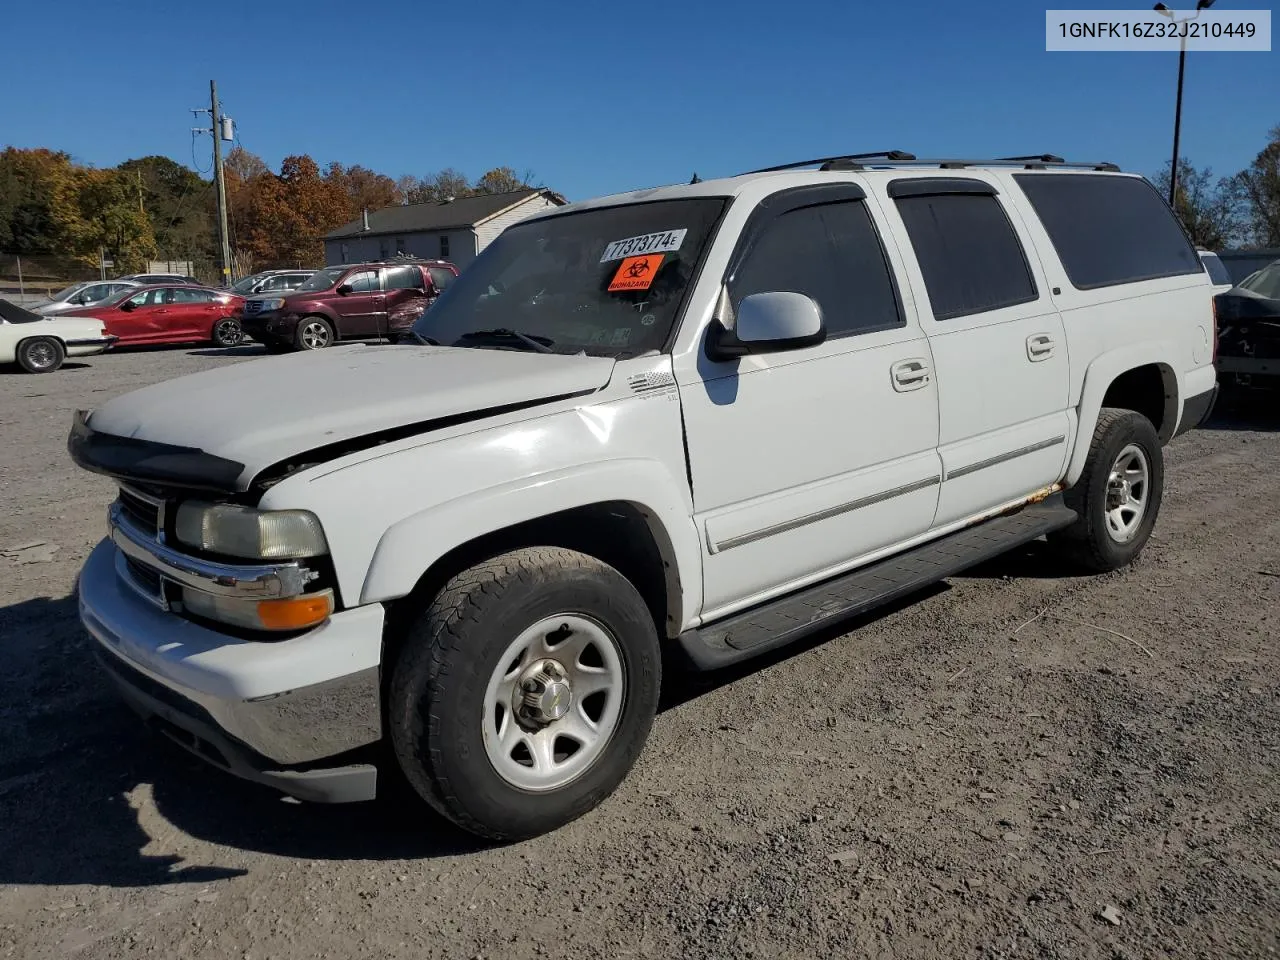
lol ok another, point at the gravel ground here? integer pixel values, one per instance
(1019, 763)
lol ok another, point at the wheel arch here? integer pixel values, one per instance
(1138, 378)
(644, 529)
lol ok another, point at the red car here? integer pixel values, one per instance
(170, 313)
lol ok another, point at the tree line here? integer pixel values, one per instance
(156, 208)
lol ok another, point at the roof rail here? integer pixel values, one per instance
(844, 161)
(901, 157)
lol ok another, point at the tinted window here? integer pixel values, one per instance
(362, 282)
(970, 257)
(831, 253)
(1109, 229)
(440, 277)
(182, 295)
(404, 278)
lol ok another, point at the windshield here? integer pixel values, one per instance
(1265, 283)
(608, 281)
(322, 280)
(245, 284)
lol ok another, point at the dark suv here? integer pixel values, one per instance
(359, 301)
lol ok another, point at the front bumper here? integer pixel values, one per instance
(289, 713)
(269, 327)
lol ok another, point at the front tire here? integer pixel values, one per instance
(525, 692)
(41, 354)
(1118, 495)
(314, 333)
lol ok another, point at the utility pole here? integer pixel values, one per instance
(220, 125)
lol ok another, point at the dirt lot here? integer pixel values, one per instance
(980, 773)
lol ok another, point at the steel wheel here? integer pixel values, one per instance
(227, 332)
(1128, 489)
(553, 703)
(313, 335)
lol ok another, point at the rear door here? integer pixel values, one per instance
(191, 313)
(406, 297)
(998, 343)
(361, 312)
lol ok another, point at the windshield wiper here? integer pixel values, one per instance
(541, 344)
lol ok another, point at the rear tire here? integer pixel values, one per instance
(464, 729)
(227, 332)
(314, 333)
(1118, 494)
(41, 354)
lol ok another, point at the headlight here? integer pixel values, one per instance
(275, 304)
(237, 531)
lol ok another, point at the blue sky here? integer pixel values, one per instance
(596, 97)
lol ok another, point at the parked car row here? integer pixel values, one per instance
(1249, 331)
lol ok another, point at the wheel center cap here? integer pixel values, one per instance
(545, 694)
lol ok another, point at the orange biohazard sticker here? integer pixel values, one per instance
(636, 273)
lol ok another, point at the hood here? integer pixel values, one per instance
(267, 411)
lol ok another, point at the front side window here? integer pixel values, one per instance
(608, 281)
(1109, 229)
(831, 253)
(970, 257)
(362, 282)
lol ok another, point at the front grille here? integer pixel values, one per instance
(142, 511)
(148, 579)
(251, 307)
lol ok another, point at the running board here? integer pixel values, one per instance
(779, 622)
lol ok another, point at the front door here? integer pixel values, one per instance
(998, 342)
(809, 460)
(361, 312)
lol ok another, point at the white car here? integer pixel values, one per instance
(40, 344)
(703, 420)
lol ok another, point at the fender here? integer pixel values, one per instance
(408, 548)
(1098, 379)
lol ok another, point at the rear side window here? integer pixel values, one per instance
(1217, 272)
(440, 277)
(831, 253)
(1109, 230)
(970, 257)
(404, 278)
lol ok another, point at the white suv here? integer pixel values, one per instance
(698, 421)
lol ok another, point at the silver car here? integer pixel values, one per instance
(83, 294)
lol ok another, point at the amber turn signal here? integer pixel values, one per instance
(297, 613)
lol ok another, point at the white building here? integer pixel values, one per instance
(454, 230)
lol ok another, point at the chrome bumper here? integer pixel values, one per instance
(288, 702)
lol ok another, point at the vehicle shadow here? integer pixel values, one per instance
(681, 683)
(1239, 410)
(1036, 560)
(250, 349)
(76, 768)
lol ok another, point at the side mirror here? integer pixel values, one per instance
(768, 323)
(344, 289)
(128, 305)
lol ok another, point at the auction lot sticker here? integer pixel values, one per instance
(636, 273)
(668, 241)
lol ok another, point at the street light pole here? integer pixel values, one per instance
(1182, 69)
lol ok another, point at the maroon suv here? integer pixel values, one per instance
(360, 301)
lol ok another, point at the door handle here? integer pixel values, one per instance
(1040, 346)
(909, 375)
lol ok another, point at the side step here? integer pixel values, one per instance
(779, 622)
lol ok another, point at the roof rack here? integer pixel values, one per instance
(850, 161)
